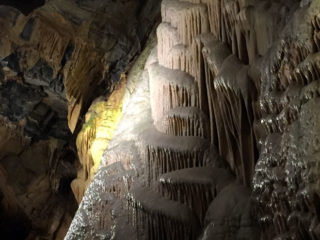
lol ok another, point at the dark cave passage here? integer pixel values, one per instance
(26, 6)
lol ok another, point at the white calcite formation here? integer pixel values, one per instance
(164, 153)
(228, 146)
(170, 89)
(184, 121)
(195, 187)
(159, 218)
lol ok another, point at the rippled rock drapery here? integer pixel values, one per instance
(220, 115)
(161, 176)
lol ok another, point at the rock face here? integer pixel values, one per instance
(226, 147)
(56, 58)
(162, 177)
(74, 51)
(95, 135)
(219, 134)
(35, 201)
(286, 179)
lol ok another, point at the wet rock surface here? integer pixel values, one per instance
(285, 178)
(251, 68)
(171, 177)
(219, 131)
(56, 57)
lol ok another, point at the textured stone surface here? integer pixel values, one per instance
(219, 137)
(97, 131)
(56, 57)
(36, 200)
(159, 190)
(76, 50)
(285, 182)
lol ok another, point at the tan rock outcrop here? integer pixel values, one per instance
(95, 135)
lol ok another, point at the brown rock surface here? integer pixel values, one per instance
(219, 134)
(79, 49)
(97, 131)
(56, 57)
(34, 203)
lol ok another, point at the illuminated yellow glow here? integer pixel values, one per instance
(101, 121)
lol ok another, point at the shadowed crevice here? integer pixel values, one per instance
(26, 6)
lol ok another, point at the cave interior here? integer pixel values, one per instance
(160, 120)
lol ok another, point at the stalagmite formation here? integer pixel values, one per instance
(160, 218)
(179, 86)
(175, 178)
(195, 187)
(184, 121)
(219, 137)
(163, 153)
(205, 57)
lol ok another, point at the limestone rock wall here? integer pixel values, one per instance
(219, 133)
(97, 131)
(75, 50)
(34, 202)
(232, 88)
(285, 182)
(55, 60)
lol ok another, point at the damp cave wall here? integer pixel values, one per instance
(249, 77)
(56, 58)
(257, 83)
(255, 63)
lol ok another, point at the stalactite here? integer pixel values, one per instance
(193, 186)
(159, 218)
(224, 91)
(183, 121)
(253, 70)
(170, 89)
(189, 19)
(164, 153)
(167, 39)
